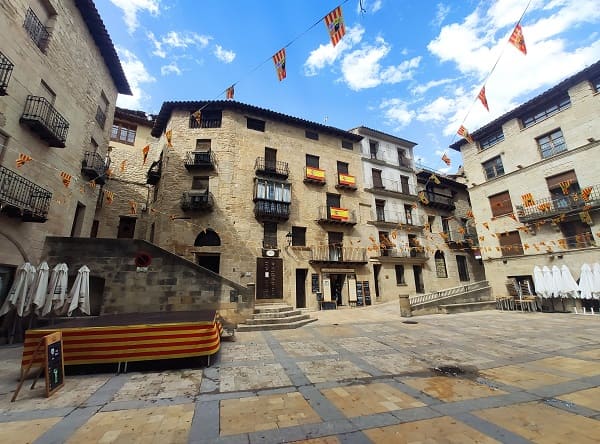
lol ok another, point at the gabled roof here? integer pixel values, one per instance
(380, 134)
(191, 106)
(94, 22)
(139, 117)
(554, 92)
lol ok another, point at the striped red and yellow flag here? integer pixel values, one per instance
(92, 184)
(564, 186)
(23, 159)
(169, 136)
(527, 200)
(462, 131)
(66, 178)
(145, 152)
(132, 207)
(585, 193)
(517, 39)
(334, 21)
(279, 61)
(481, 96)
(230, 92)
(110, 196)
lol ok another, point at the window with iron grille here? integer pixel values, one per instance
(547, 110)
(298, 236)
(501, 204)
(380, 209)
(206, 118)
(493, 167)
(491, 140)
(255, 124)
(123, 132)
(551, 144)
(311, 135)
(510, 243)
(440, 265)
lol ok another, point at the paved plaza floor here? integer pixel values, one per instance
(355, 375)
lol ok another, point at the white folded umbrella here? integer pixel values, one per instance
(18, 291)
(548, 282)
(556, 281)
(39, 288)
(57, 289)
(586, 282)
(538, 281)
(596, 281)
(79, 296)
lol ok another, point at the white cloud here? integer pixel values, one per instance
(224, 55)
(440, 14)
(137, 75)
(326, 55)
(437, 110)
(176, 39)
(158, 49)
(171, 68)
(132, 7)
(422, 89)
(397, 113)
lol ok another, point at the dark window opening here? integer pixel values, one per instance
(298, 236)
(255, 124)
(312, 161)
(311, 135)
(270, 235)
(347, 145)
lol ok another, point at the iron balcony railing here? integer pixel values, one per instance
(36, 30)
(154, 171)
(336, 215)
(100, 117)
(195, 160)
(391, 217)
(197, 200)
(6, 68)
(338, 253)
(437, 200)
(412, 252)
(588, 197)
(394, 186)
(41, 117)
(271, 210)
(466, 236)
(20, 197)
(271, 167)
(94, 167)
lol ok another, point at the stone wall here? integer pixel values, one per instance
(170, 283)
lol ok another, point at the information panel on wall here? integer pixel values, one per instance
(315, 282)
(367, 292)
(359, 293)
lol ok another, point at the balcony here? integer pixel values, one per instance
(391, 219)
(45, 121)
(154, 172)
(336, 216)
(588, 198)
(338, 255)
(200, 160)
(36, 30)
(315, 176)
(197, 200)
(412, 255)
(393, 188)
(272, 211)
(346, 182)
(461, 239)
(94, 167)
(22, 198)
(436, 200)
(273, 168)
(6, 68)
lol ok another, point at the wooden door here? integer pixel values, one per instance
(269, 278)
(301, 274)
(126, 228)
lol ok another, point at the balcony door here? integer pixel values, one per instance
(335, 241)
(377, 181)
(418, 274)
(333, 200)
(270, 159)
(404, 185)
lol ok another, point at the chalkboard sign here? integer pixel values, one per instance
(367, 292)
(55, 364)
(359, 293)
(315, 282)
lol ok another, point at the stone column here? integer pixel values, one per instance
(405, 310)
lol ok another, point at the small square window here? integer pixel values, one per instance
(311, 135)
(255, 124)
(551, 144)
(501, 204)
(347, 145)
(493, 168)
(312, 161)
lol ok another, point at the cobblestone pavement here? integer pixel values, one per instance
(354, 376)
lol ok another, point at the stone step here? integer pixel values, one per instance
(468, 306)
(271, 308)
(279, 314)
(287, 326)
(267, 321)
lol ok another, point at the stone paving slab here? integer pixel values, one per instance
(354, 376)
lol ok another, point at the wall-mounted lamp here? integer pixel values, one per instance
(591, 139)
(288, 236)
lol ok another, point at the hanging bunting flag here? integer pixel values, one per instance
(470, 214)
(512, 216)
(92, 184)
(132, 207)
(564, 186)
(462, 131)
(481, 238)
(23, 159)
(110, 196)
(423, 198)
(335, 25)
(230, 92)
(585, 193)
(486, 225)
(66, 178)
(461, 230)
(517, 39)
(526, 246)
(197, 115)
(435, 179)
(562, 243)
(483, 98)
(145, 152)
(122, 167)
(544, 207)
(527, 200)
(169, 136)
(279, 61)
(446, 159)
(585, 217)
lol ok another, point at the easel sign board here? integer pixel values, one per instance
(55, 363)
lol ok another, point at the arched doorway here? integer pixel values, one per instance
(208, 260)
(440, 265)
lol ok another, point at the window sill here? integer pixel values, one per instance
(402, 285)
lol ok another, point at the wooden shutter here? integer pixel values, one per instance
(501, 204)
(510, 243)
(553, 181)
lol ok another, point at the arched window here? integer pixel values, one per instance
(208, 238)
(440, 265)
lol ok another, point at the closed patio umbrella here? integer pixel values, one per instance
(586, 282)
(568, 287)
(39, 288)
(548, 282)
(556, 281)
(18, 292)
(79, 296)
(596, 281)
(57, 289)
(538, 281)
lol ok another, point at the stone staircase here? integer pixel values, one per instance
(275, 317)
(469, 297)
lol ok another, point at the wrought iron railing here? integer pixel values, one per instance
(394, 186)
(464, 236)
(31, 201)
(196, 200)
(552, 206)
(6, 68)
(271, 209)
(94, 167)
(272, 167)
(434, 198)
(100, 117)
(392, 217)
(448, 292)
(36, 30)
(336, 215)
(199, 159)
(41, 116)
(413, 252)
(338, 253)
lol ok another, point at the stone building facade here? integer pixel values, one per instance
(132, 151)
(533, 182)
(263, 199)
(59, 79)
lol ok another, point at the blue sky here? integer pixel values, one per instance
(408, 68)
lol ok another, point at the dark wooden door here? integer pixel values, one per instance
(270, 159)
(126, 227)
(418, 272)
(269, 278)
(301, 274)
(463, 270)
